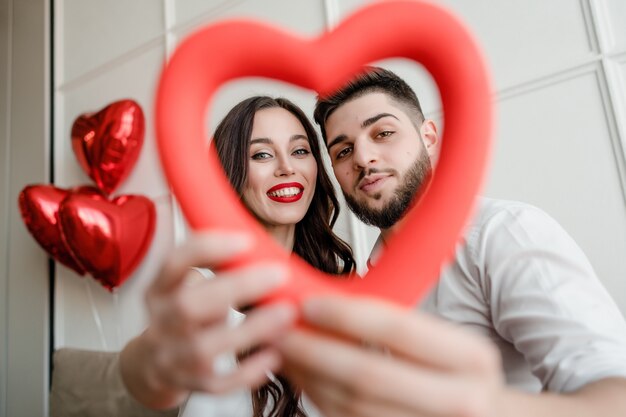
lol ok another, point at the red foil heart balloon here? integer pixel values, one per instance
(419, 31)
(108, 238)
(39, 206)
(107, 143)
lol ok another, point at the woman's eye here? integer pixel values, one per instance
(302, 151)
(261, 155)
(343, 153)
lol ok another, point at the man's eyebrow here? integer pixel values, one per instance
(374, 119)
(366, 123)
(336, 141)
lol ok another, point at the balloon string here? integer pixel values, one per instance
(118, 318)
(96, 316)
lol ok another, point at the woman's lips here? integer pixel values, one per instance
(286, 192)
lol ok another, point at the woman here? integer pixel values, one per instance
(249, 142)
(271, 155)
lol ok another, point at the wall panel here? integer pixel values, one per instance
(87, 315)
(94, 33)
(555, 150)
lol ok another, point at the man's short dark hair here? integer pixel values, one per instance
(373, 79)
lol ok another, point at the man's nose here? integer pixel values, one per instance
(363, 155)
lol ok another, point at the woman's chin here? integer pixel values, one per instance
(288, 220)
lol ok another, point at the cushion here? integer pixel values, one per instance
(89, 384)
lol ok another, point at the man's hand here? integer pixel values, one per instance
(376, 359)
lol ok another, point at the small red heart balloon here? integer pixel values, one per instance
(107, 143)
(419, 31)
(108, 238)
(39, 206)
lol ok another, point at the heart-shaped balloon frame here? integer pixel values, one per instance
(108, 238)
(419, 31)
(107, 143)
(86, 232)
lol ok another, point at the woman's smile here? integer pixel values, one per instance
(286, 192)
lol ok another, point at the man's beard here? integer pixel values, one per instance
(414, 183)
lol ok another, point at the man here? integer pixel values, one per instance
(554, 343)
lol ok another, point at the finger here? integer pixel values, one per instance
(417, 336)
(259, 328)
(196, 354)
(342, 365)
(204, 250)
(251, 373)
(331, 401)
(206, 302)
(350, 369)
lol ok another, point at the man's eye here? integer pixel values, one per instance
(343, 153)
(261, 155)
(385, 133)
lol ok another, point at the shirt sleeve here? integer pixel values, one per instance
(547, 301)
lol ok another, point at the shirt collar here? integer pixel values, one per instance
(376, 252)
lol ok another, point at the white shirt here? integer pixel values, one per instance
(519, 279)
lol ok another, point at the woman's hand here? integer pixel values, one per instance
(188, 326)
(371, 358)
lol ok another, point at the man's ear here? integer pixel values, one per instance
(430, 137)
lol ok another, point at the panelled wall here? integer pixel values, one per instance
(558, 69)
(112, 50)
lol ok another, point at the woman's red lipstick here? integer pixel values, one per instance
(287, 192)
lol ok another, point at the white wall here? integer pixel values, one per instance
(559, 67)
(114, 57)
(558, 132)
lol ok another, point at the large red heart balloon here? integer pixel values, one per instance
(109, 238)
(422, 32)
(107, 143)
(39, 206)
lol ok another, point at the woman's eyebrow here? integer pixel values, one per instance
(267, 141)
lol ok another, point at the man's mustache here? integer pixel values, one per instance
(371, 171)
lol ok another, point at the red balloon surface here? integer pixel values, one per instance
(107, 143)
(39, 206)
(419, 31)
(108, 238)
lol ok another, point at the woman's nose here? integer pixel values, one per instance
(284, 167)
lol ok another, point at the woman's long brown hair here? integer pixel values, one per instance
(315, 241)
